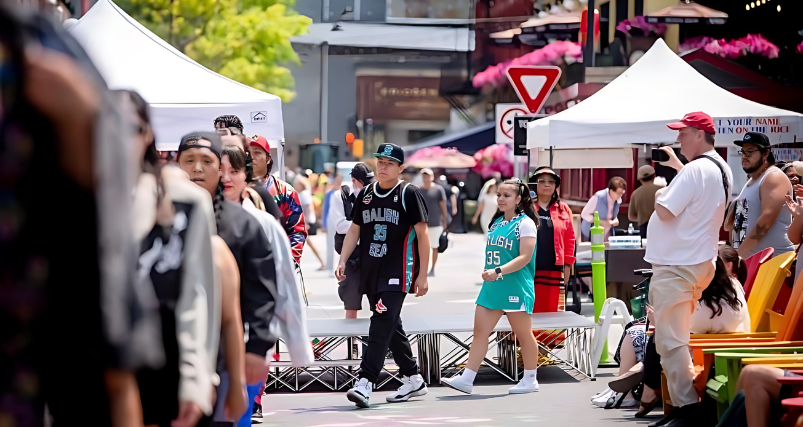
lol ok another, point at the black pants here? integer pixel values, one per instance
(386, 332)
(642, 230)
(652, 366)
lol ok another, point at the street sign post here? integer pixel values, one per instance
(533, 84)
(520, 134)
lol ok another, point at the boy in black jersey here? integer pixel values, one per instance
(390, 222)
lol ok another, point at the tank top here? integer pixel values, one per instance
(515, 291)
(748, 209)
(389, 259)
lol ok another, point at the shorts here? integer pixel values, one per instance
(435, 236)
(349, 290)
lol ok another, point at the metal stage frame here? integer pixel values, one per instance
(568, 343)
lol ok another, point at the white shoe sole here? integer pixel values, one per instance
(523, 390)
(360, 400)
(447, 383)
(420, 392)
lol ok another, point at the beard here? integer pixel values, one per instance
(752, 168)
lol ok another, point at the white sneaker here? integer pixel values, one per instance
(361, 393)
(524, 387)
(630, 402)
(458, 383)
(602, 401)
(606, 391)
(411, 387)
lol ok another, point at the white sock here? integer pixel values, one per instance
(469, 375)
(529, 376)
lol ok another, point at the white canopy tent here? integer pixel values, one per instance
(659, 89)
(184, 96)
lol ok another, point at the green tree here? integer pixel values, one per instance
(247, 41)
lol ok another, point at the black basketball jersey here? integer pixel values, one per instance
(389, 259)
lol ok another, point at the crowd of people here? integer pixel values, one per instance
(165, 282)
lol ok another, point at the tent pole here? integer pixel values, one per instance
(550, 157)
(281, 161)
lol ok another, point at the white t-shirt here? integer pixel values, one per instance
(728, 321)
(697, 199)
(305, 197)
(526, 227)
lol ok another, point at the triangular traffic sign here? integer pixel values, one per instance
(533, 84)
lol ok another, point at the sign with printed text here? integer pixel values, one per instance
(533, 84)
(778, 129)
(504, 121)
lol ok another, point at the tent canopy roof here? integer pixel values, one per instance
(659, 89)
(184, 95)
(391, 36)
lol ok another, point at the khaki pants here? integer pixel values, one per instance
(674, 291)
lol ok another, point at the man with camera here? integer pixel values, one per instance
(684, 232)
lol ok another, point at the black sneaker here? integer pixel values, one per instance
(257, 411)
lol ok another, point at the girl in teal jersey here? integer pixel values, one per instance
(508, 285)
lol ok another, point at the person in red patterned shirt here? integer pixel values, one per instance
(283, 193)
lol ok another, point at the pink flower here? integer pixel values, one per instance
(550, 54)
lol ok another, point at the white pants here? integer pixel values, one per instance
(673, 293)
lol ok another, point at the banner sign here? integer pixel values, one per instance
(778, 129)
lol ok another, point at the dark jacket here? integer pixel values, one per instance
(247, 241)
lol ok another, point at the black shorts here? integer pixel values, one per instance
(349, 289)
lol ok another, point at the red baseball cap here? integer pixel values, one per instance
(698, 120)
(260, 141)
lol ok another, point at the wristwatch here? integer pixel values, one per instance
(498, 271)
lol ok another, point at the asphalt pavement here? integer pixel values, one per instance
(562, 401)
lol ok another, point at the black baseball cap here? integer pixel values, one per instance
(759, 139)
(363, 173)
(195, 140)
(390, 151)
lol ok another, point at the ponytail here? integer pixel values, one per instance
(525, 204)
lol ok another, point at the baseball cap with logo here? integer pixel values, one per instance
(427, 171)
(390, 151)
(260, 141)
(759, 139)
(646, 171)
(698, 120)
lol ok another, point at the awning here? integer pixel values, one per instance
(468, 141)
(389, 36)
(687, 13)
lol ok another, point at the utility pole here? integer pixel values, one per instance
(588, 49)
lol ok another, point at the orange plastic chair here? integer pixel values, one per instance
(752, 264)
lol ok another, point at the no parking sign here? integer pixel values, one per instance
(504, 121)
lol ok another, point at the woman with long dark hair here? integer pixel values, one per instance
(554, 256)
(508, 285)
(722, 307)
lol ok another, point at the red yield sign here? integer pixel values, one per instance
(533, 84)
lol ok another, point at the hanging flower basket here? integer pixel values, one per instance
(495, 158)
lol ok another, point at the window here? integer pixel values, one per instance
(429, 9)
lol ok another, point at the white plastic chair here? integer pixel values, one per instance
(610, 308)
